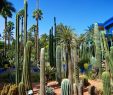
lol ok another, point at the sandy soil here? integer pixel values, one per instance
(96, 83)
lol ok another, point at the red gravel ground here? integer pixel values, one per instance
(54, 84)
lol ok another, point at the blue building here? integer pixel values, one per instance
(108, 26)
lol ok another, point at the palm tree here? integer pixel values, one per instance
(6, 11)
(1, 4)
(37, 14)
(33, 30)
(66, 35)
(21, 16)
(10, 27)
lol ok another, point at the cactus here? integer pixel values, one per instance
(92, 90)
(25, 21)
(80, 89)
(58, 63)
(75, 89)
(17, 49)
(13, 90)
(51, 55)
(42, 72)
(98, 48)
(106, 83)
(26, 76)
(66, 87)
(21, 89)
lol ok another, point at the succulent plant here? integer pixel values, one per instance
(66, 87)
(106, 83)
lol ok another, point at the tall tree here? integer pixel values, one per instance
(10, 27)
(6, 11)
(37, 14)
(65, 34)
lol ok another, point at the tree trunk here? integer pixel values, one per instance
(21, 37)
(36, 42)
(5, 36)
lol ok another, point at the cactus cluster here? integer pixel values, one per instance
(26, 76)
(10, 90)
(106, 83)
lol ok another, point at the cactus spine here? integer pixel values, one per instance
(17, 49)
(26, 77)
(42, 72)
(66, 87)
(106, 83)
(21, 89)
(98, 48)
(58, 63)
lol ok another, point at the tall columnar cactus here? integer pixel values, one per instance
(26, 76)
(42, 72)
(17, 49)
(51, 55)
(25, 21)
(80, 89)
(58, 63)
(66, 87)
(76, 68)
(55, 40)
(106, 83)
(75, 87)
(98, 48)
(21, 89)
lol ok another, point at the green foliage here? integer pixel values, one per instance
(106, 83)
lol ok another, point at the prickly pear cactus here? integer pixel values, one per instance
(66, 87)
(58, 63)
(106, 83)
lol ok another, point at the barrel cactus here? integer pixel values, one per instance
(106, 83)
(42, 72)
(21, 89)
(26, 76)
(66, 87)
(58, 63)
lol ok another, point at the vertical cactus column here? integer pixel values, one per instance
(51, 58)
(55, 41)
(106, 83)
(76, 68)
(66, 87)
(21, 89)
(42, 72)
(25, 21)
(26, 75)
(58, 63)
(98, 48)
(17, 49)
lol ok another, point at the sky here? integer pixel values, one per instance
(78, 14)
